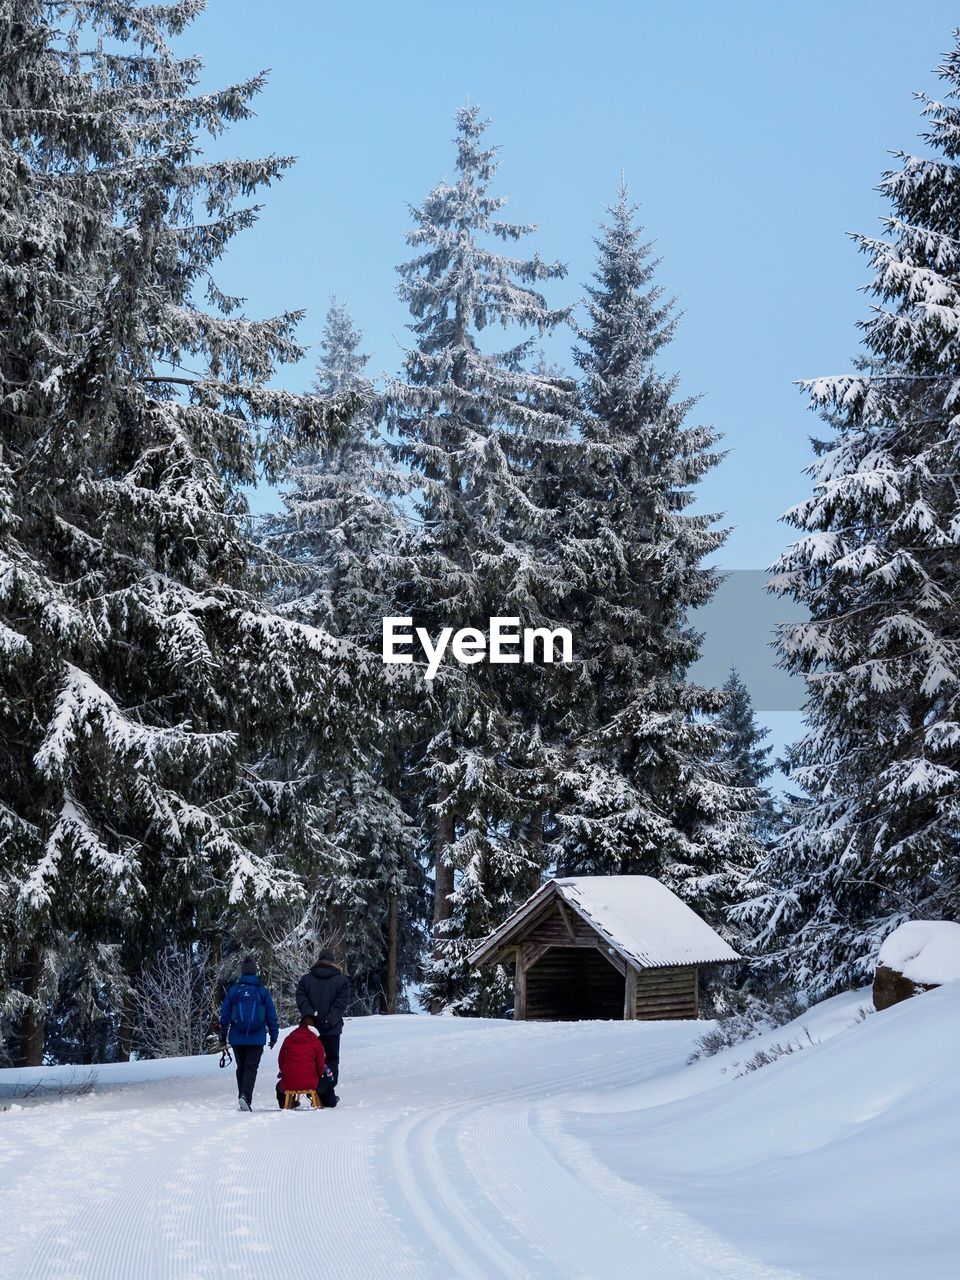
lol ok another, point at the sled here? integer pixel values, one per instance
(291, 1095)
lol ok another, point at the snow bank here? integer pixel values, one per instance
(836, 1161)
(66, 1079)
(924, 951)
(819, 1023)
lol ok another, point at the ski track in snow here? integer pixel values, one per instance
(449, 1160)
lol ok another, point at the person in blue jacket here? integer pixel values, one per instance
(247, 1014)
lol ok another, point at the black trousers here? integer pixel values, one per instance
(331, 1048)
(247, 1058)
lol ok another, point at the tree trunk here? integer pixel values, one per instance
(444, 834)
(443, 873)
(125, 1034)
(536, 850)
(390, 977)
(32, 1023)
(443, 838)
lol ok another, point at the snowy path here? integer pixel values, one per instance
(452, 1156)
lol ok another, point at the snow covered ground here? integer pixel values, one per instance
(492, 1149)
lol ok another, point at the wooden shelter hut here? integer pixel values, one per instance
(604, 947)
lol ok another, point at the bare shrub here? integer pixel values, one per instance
(173, 1013)
(74, 1084)
(718, 1038)
(285, 945)
(751, 1017)
(21, 1091)
(763, 1057)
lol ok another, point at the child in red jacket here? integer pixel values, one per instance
(303, 1064)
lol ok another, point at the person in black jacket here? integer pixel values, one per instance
(324, 994)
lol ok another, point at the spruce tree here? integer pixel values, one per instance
(141, 675)
(876, 565)
(745, 754)
(644, 792)
(742, 747)
(341, 523)
(475, 425)
(343, 531)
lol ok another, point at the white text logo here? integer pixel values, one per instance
(505, 642)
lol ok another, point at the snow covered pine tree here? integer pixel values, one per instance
(142, 678)
(877, 566)
(746, 754)
(645, 792)
(342, 528)
(474, 427)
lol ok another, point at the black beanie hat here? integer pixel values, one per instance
(326, 956)
(249, 966)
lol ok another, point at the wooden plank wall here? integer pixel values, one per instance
(667, 993)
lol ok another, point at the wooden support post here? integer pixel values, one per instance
(608, 953)
(630, 994)
(520, 989)
(532, 952)
(567, 918)
(696, 991)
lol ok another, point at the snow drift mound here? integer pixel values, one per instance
(924, 951)
(836, 1161)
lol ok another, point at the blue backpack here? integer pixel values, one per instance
(247, 1011)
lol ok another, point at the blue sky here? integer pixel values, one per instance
(752, 134)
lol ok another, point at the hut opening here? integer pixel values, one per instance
(574, 984)
(604, 947)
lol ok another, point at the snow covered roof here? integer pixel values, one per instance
(924, 951)
(636, 915)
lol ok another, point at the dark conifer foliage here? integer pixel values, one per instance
(644, 791)
(142, 676)
(875, 563)
(745, 754)
(200, 747)
(343, 531)
(742, 747)
(475, 426)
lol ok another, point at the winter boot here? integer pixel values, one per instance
(244, 1105)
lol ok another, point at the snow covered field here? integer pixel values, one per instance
(492, 1149)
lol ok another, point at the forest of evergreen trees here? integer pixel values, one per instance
(201, 751)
